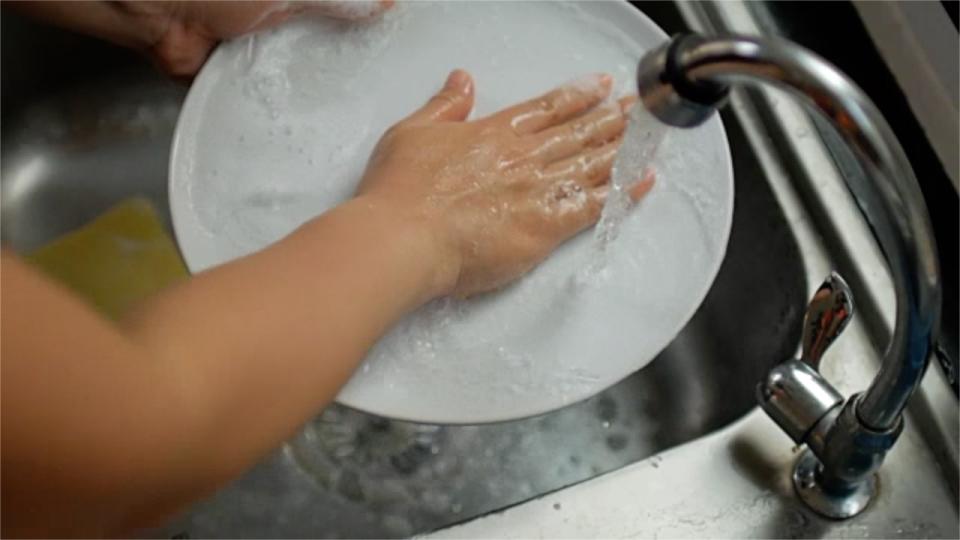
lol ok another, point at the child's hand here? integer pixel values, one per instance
(499, 193)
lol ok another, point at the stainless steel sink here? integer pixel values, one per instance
(71, 148)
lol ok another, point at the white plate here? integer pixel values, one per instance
(277, 128)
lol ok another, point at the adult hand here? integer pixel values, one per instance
(184, 33)
(180, 35)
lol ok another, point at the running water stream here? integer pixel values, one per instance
(644, 135)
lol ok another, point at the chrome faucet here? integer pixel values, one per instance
(683, 83)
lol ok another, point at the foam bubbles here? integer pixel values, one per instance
(290, 116)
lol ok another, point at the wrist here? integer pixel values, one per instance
(421, 244)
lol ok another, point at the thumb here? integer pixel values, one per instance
(180, 52)
(452, 103)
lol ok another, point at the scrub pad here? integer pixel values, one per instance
(116, 260)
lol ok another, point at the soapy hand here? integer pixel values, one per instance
(180, 35)
(500, 193)
(184, 33)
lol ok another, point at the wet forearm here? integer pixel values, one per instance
(270, 339)
(198, 384)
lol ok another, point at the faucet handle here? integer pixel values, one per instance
(828, 313)
(793, 393)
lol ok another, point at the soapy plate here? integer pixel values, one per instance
(278, 126)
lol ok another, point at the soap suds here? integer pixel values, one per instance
(293, 114)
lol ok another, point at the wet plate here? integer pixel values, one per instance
(277, 129)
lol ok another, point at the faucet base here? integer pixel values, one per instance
(828, 503)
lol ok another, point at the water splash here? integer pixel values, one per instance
(643, 138)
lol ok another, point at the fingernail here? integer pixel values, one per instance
(606, 80)
(627, 104)
(459, 80)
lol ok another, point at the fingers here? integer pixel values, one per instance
(589, 169)
(181, 53)
(350, 10)
(556, 106)
(261, 15)
(224, 20)
(453, 102)
(581, 207)
(643, 186)
(590, 130)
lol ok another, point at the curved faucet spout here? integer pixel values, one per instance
(683, 83)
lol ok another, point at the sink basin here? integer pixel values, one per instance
(74, 146)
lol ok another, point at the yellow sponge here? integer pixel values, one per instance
(116, 260)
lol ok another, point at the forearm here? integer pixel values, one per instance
(203, 380)
(269, 340)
